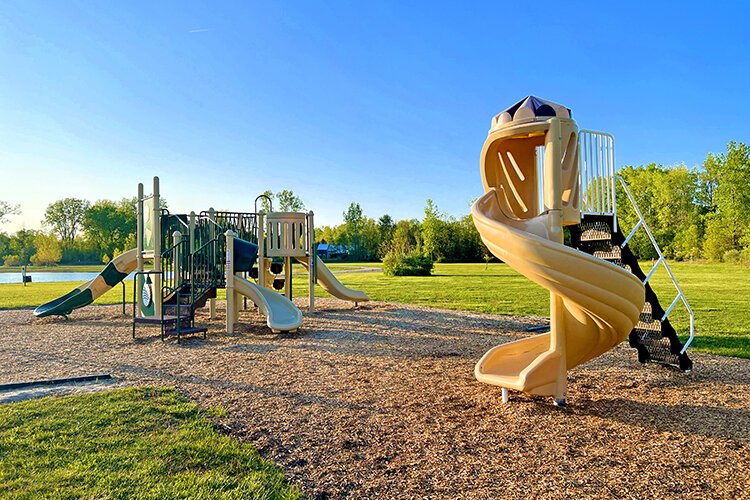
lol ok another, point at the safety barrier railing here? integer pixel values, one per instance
(175, 262)
(243, 224)
(661, 261)
(596, 154)
(286, 234)
(207, 265)
(171, 223)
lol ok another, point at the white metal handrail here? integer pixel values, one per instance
(661, 261)
(596, 160)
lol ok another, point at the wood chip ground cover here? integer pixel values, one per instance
(381, 401)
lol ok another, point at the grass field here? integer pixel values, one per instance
(718, 294)
(126, 443)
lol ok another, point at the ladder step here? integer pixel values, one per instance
(650, 326)
(613, 254)
(187, 330)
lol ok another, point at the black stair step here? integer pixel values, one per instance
(654, 340)
(595, 231)
(649, 326)
(613, 253)
(189, 330)
(156, 320)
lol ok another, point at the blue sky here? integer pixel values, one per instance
(384, 103)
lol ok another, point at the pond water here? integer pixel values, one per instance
(50, 277)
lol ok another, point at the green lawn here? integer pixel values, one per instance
(127, 443)
(718, 294)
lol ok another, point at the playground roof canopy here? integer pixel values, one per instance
(530, 108)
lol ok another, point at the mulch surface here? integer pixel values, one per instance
(382, 401)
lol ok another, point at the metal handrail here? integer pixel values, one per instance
(198, 287)
(662, 260)
(596, 160)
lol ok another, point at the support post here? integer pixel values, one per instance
(288, 277)
(176, 258)
(231, 313)
(212, 225)
(192, 231)
(312, 261)
(553, 204)
(553, 180)
(157, 249)
(261, 249)
(557, 344)
(139, 257)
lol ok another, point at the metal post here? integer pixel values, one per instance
(212, 225)
(176, 257)
(288, 277)
(192, 231)
(230, 282)
(157, 249)
(261, 249)
(312, 259)
(139, 245)
(553, 203)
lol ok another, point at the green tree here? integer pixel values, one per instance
(353, 221)
(109, 225)
(369, 240)
(289, 202)
(436, 233)
(407, 237)
(65, 217)
(669, 199)
(265, 199)
(22, 245)
(4, 244)
(728, 193)
(7, 209)
(335, 235)
(48, 250)
(386, 226)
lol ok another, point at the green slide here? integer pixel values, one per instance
(115, 272)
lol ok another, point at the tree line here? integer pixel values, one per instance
(694, 213)
(441, 237)
(76, 232)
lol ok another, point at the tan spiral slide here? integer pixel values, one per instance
(531, 181)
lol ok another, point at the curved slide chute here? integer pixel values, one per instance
(116, 271)
(331, 284)
(601, 301)
(281, 313)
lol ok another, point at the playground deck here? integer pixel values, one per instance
(382, 401)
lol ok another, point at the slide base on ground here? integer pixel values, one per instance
(599, 302)
(281, 313)
(116, 271)
(331, 284)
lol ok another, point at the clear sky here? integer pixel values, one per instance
(384, 103)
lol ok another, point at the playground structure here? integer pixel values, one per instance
(541, 174)
(193, 255)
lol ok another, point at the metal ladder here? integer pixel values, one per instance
(599, 202)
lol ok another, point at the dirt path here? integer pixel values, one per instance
(381, 401)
